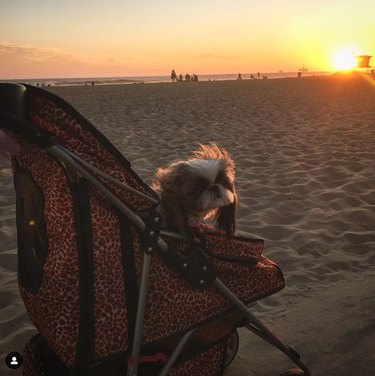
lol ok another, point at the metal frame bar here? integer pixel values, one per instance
(108, 177)
(141, 309)
(166, 233)
(177, 351)
(257, 327)
(62, 155)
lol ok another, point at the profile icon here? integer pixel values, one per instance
(14, 360)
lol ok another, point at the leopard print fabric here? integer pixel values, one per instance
(207, 363)
(168, 289)
(234, 249)
(56, 305)
(109, 290)
(70, 130)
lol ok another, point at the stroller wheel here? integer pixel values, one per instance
(232, 348)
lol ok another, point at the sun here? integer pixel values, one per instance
(344, 59)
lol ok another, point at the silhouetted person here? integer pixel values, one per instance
(239, 77)
(173, 76)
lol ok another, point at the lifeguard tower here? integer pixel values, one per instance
(363, 62)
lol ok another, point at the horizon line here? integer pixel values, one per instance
(160, 75)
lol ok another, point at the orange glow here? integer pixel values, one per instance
(134, 38)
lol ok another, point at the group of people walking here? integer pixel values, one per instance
(180, 78)
(252, 76)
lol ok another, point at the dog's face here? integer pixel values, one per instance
(202, 186)
(205, 185)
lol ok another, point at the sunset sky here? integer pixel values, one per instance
(87, 38)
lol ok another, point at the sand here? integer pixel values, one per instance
(304, 151)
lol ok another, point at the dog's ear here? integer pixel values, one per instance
(227, 218)
(168, 184)
(169, 179)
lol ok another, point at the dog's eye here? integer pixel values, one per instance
(221, 180)
(200, 188)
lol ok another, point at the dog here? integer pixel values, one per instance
(199, 188)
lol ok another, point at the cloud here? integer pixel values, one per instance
(30, 61)
(217, 56)
(32, 53)
(27, 61)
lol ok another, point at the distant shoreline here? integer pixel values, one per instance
(91, 81)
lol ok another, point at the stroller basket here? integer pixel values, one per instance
(106, 286)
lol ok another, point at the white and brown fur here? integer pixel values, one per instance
(198, 188)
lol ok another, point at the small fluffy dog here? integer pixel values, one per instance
(199, 188)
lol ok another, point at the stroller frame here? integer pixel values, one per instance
(156, 243)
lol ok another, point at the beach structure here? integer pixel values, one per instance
(363, 61)
(88, 229)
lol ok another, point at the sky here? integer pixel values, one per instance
(111, 38)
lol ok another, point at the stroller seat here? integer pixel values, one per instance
(103, 282)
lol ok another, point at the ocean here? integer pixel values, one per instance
(153, 79)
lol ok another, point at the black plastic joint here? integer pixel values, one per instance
(194, 266)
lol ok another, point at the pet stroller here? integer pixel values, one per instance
(109, 289)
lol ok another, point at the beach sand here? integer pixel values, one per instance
(305, 153)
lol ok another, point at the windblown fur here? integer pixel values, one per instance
(198, 188)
